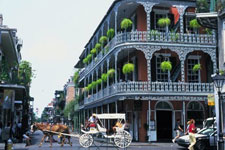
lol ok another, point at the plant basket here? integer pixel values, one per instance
(111, 73)
(194, 24)
(104, 77)
(110, 33)
(128, 68)
(163, 22)
(126, 23)
(196, 67)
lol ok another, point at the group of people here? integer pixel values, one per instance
(191, 130)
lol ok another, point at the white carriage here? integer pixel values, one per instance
(121, 138)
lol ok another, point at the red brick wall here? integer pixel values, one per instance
(70, 94)
(143, 115)
(141, 19)
(142, 67)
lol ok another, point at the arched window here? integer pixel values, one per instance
(195, 111)
(163, 105)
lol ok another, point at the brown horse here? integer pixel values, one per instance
(49, 130)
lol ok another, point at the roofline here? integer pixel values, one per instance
(12, 86)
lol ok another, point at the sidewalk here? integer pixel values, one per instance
(15, 146)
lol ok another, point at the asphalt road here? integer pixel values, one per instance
(36, 138)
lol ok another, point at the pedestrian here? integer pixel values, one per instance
(6, 134)
(187, 129)
(192, 130)
(27, 138)
(178, 130)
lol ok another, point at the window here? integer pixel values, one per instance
(157, 27)
(193, 77)
(160, 75)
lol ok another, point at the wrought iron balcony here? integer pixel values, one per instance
(150, 37)
(151, 88)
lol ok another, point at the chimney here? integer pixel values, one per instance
(1, 19)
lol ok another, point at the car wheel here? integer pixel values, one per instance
(200, 145)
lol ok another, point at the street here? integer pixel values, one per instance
(36, 138)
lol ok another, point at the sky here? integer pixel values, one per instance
(54, 33)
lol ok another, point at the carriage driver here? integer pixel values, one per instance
(92, 121)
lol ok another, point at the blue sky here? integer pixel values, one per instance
(54, 33)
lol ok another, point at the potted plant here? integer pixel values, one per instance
(111, 73)
(174, 36)
(103, 40)
(128, 68)
(194, 24)
(154, 34)
(125, 24)
(110, 33)
(93, 51)
(99, 81)
(94, 84)
(85, 60)
(89, 86)
(104, 77)
(196, 67)
(166, 66)
(164, 22)
(98, 47)
(89, 57)
(76, 77)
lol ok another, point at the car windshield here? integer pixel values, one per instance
(207, 131)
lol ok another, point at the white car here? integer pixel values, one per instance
(205, 138)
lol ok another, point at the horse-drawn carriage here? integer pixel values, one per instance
(121, 137)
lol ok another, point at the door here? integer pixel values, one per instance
(164, 125)
(136, 121)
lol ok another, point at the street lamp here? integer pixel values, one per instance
(219, 82)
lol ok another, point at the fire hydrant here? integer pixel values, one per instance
(10, 145)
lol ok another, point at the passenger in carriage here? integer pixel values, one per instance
(92, 122)
(119, 125)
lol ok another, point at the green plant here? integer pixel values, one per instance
(174, 36)
(4, 71)
(208, 31)
(104, 77)
(25, 73)
(126, 23)
(166, 65)
(106, 49)
(99, 81)
(89, 86)
(163, 22)
(76, 77)
(103, 40)
(94, 84)
(89, 57)
(93, 51)
(128, 68)
(85, 60)
(98, 47)
(111, 72)
(202, 6)
(86, 89)
(196, 67)
(194, 24)
(110, 33)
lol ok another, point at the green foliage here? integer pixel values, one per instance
(202, 6)
(154, 33)
(4, 71)
(98, 47)
(104, 77)
(89, 57)
(194, 24)
(166, 65)
(89, 86)
(163, 22)
(99, 81)
(208, 31)
(106, 49)
(25, 73)
(126, 23)
(222, 72)
(128, 68)
(174, 36)
(103, 40)
(196, 67)
(69, 109)
(86, 89)
(85, 60)
(110, 33)
(93, 51)
(76, 77)
(111, 72)
(94, 84)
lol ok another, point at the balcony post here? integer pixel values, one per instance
(181, 10)
(182, 70)
(116, 107)
(108, 76)
(116, 12)
(116, 55)
(149, 69)
(148, 8)
(92, 78)
(102, 81)
(96, 80)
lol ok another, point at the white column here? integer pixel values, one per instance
(116, 55)
(149, 119)
(184, 116)
(108, 76)
(116, 107)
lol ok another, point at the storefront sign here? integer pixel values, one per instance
(211, 100)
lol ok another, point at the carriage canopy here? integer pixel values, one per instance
(111, 116)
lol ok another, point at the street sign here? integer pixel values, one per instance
(211, 100)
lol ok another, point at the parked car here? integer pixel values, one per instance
(209, 122)
(205, 138)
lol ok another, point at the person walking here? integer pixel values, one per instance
(178, 130)
(192, 130)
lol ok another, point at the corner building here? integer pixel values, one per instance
(152, 99)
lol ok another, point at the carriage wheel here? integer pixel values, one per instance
(86, 140)
(122, 139)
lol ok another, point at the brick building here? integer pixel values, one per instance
(151, 98)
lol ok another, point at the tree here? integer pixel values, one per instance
(69, 109)
(25, 73)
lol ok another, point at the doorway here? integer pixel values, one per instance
(164, 125)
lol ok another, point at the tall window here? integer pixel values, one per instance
(157, 27)
(188, 18)
(160, 75)
(193, 77)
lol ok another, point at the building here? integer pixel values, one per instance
(151, 98)
(69, 89)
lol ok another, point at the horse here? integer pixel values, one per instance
(48, 130)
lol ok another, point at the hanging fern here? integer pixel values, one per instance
(128, 68)
(89, 57)
(196, 67)
(99, 81)
(93, 51)
(166, 65)
(86, 89)
(85, 60)
(194, 24)
(104, 77)
(89, 86)
(98, 47)
(126, 23)
(94, 84)
(111, 72)
(110, 33)
(103, 40)
(163, 22)
(76, 77)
